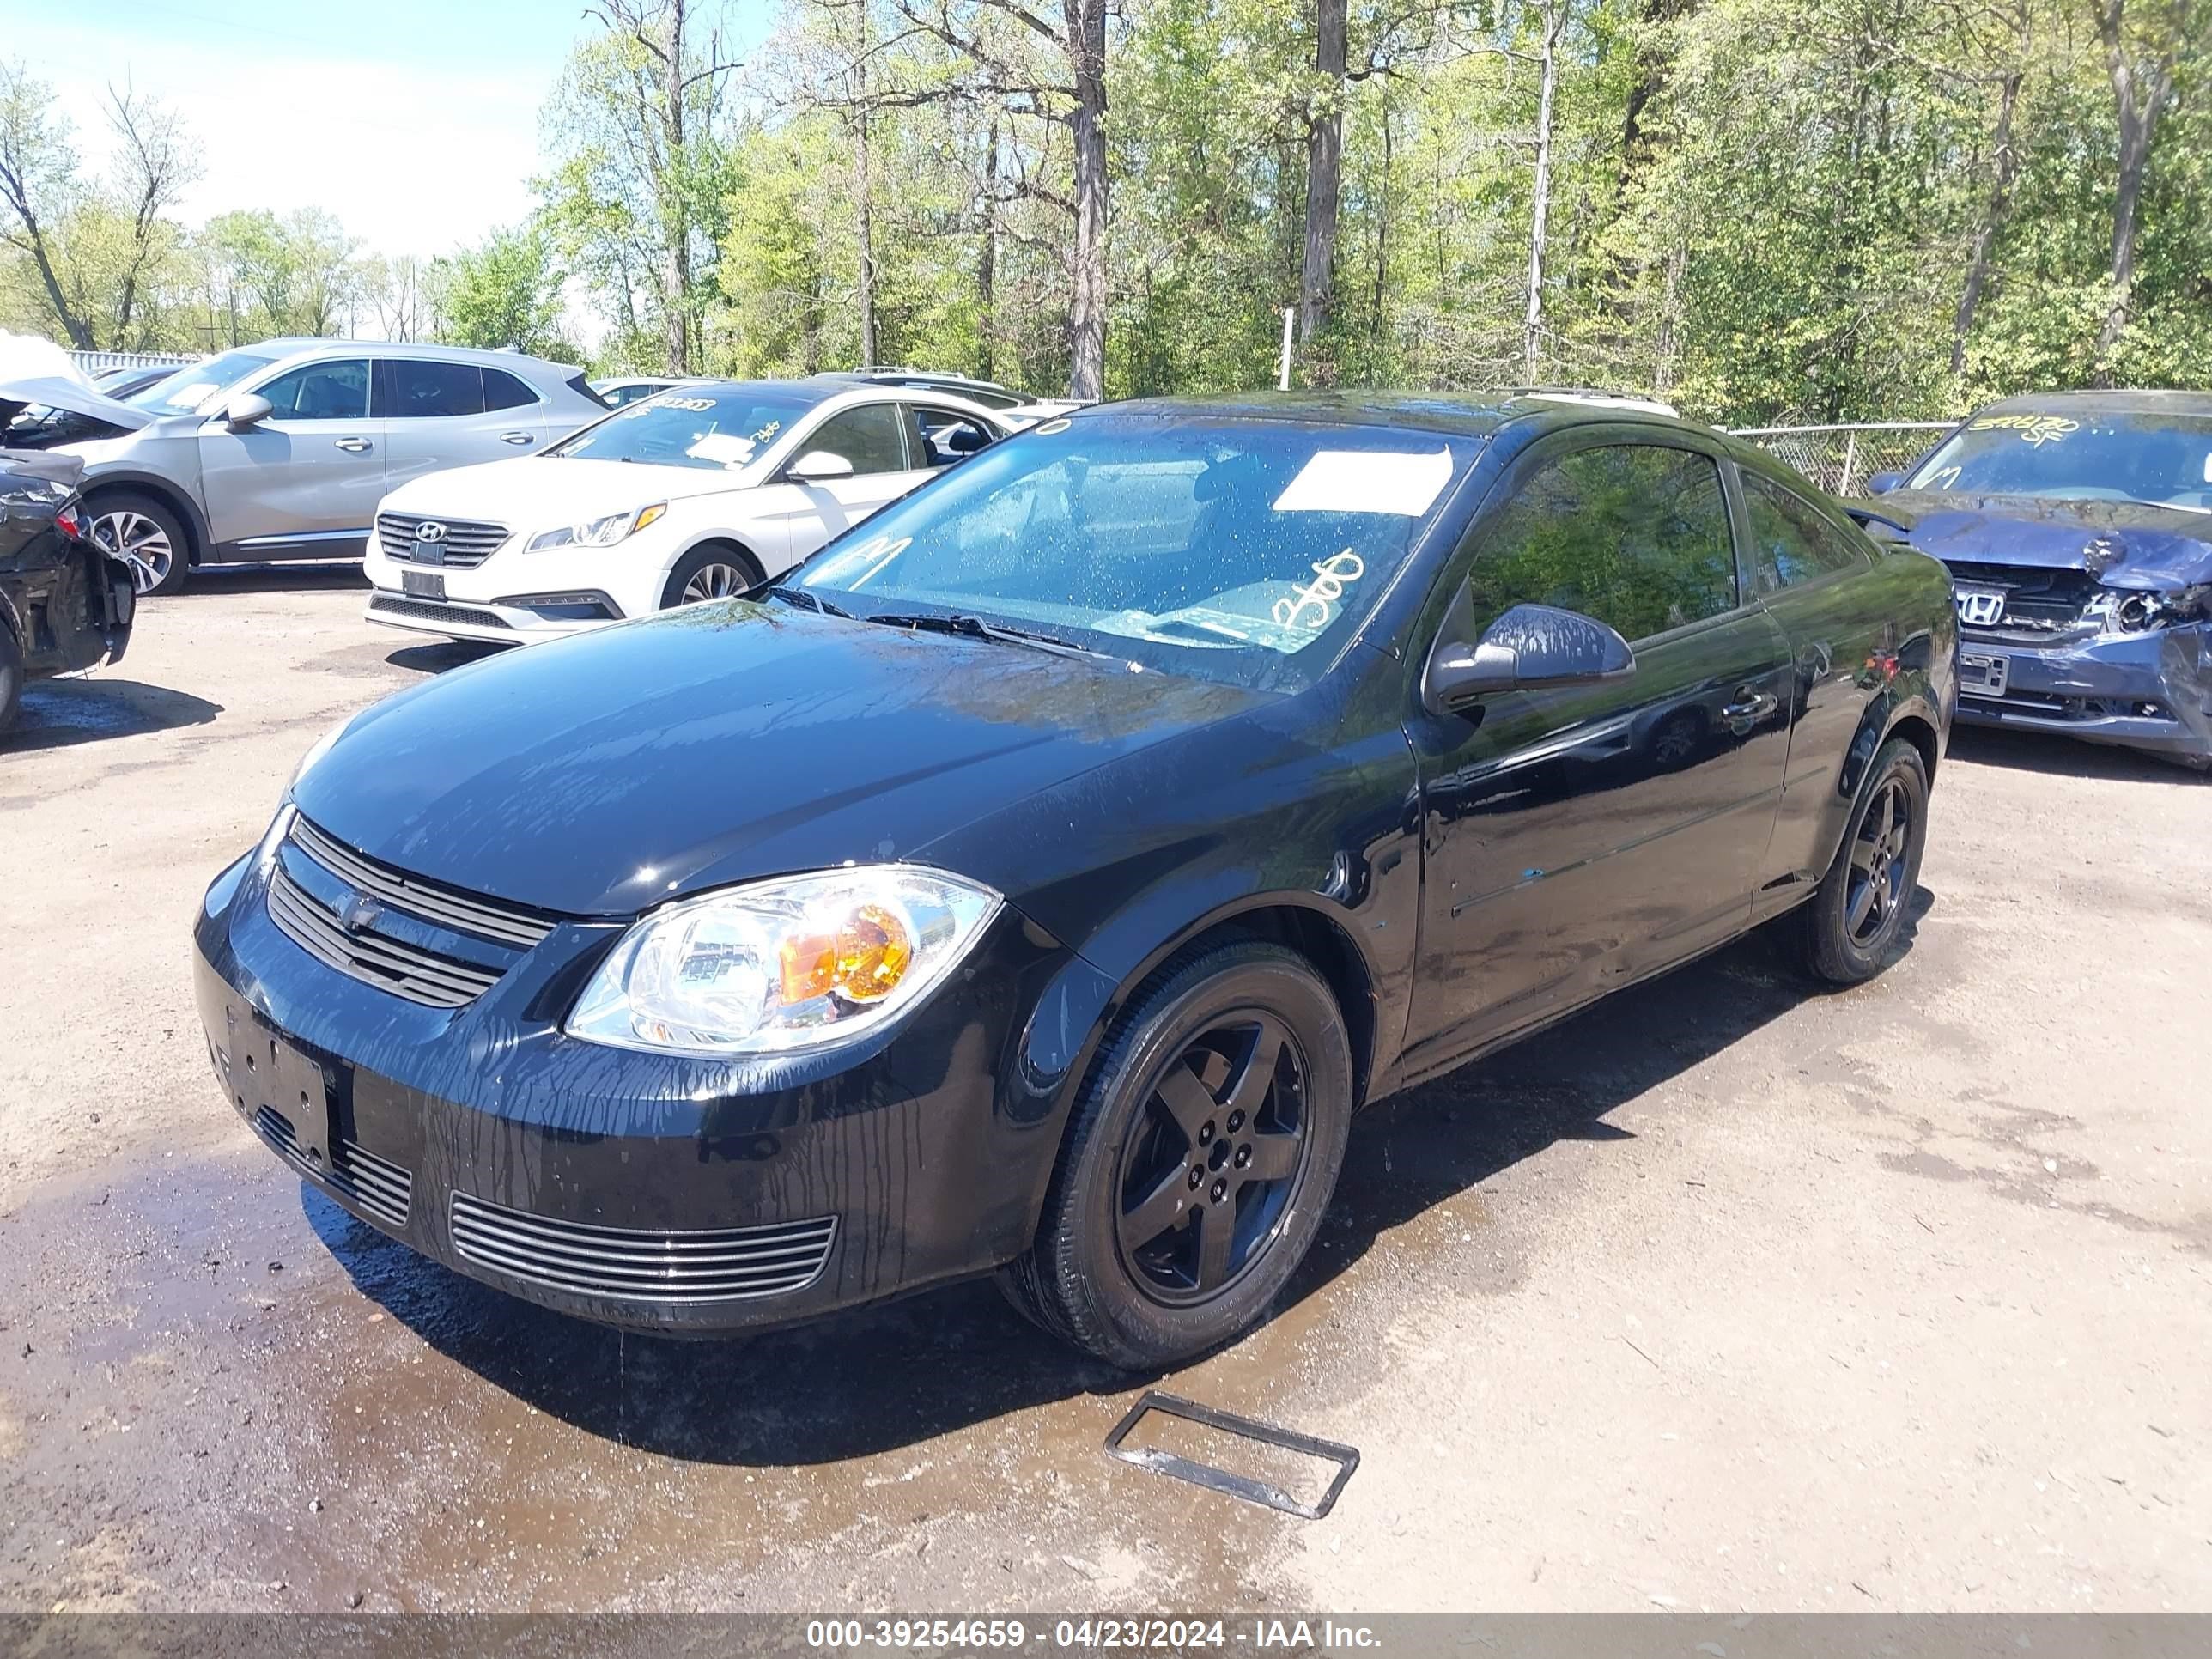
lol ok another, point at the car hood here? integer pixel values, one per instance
(60, 391)
(2121, 543)
(554, 490)
(601, 775)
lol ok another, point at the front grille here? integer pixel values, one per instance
(468, 543)
(376, 1184)
(434, 978)
(430, 610)
(627, 1265)
(2036, 601)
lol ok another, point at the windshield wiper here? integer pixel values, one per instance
(974, 628)
(799, 596)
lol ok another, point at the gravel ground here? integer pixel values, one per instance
(1723, 1296)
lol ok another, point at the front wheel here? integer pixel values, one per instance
(1205, 1146)
(1849, 929)
(715, 570)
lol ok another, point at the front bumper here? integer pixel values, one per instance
(642, 1190)
(511, 598)
(2151, 690)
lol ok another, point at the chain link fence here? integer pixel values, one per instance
(1841, 459)
(99, 362)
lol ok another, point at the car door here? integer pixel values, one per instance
(304, 483)
(1576, 838)
(436, 417)
(873, 438)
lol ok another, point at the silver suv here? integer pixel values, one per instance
(282, 450)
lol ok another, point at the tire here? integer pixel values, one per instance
(11, 677)
(124, 524)
(1848, 930)
(1119, 1266)
(703, 567)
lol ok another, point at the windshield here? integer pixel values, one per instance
(1244, 551)
(191, 386)
(713, 426)
(2083, 455)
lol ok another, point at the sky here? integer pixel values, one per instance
(416, 122)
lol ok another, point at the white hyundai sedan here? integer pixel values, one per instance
(696, 492)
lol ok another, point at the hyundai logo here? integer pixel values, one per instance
(358, 913)
(429, 531)
(1980, 610)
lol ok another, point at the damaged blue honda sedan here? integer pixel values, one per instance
(1039, 880)
(2077, 528)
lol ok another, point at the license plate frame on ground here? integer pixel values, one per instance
(1983, 674)
(422, 584)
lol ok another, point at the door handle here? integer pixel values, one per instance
(516, 438)
(1757, 706)
(355, 446)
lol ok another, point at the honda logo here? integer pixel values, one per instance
(1980, 609)
(429, 531)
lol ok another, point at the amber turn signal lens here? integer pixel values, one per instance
(862, 961)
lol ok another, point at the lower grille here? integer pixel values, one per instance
(377, 1185)
(627, 1265)
(429, 611)
(2037, 601)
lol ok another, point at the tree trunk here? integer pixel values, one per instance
(1086, 311)
(987, 265)
(2138, 98)
(1978, 267)
(675, 222)
(1324, 172)
(864, 209)
(1381, 248)
(1531, 327)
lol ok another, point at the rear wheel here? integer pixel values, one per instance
(11, 677)
(1848, 930)
(145, 535)
(1205, 1146)
(715, 570)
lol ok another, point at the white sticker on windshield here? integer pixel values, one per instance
(1367, 481)
(724, 448)
(191, 396)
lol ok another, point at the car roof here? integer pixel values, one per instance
(296, 345)
(1470, 414)
(2120, 402)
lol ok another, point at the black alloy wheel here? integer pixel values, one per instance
(1208, 1169)
(1851, 928)
(1201, 1151)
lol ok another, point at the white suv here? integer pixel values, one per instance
(695, 493)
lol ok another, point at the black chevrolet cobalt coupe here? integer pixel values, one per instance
(1041, 876)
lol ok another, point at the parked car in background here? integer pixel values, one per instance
(125, 382)
(628, 388)
(720, 486)
(2077, 527)
(989, 393)
(282, 450)
(1043, 877)
(64, 606)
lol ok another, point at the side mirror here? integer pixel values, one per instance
(818, 463)
(1882, 483)
(247, 409)
(1530, 645)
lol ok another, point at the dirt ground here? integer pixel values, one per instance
(1723, 1296)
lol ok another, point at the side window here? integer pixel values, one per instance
(502, 391)
(426, 390)
(868, 436)
(1636, 535)
(1793, 542)
(943, 436)
(334, 391)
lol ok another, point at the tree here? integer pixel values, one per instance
(38, 179)
(2140, 52)
(262, 275)
(505, 292)
(157, 164)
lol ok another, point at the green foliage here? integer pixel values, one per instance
(505, 292)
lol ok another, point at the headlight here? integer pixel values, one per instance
(2135, 610)
(786, 966)
(598, 533)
